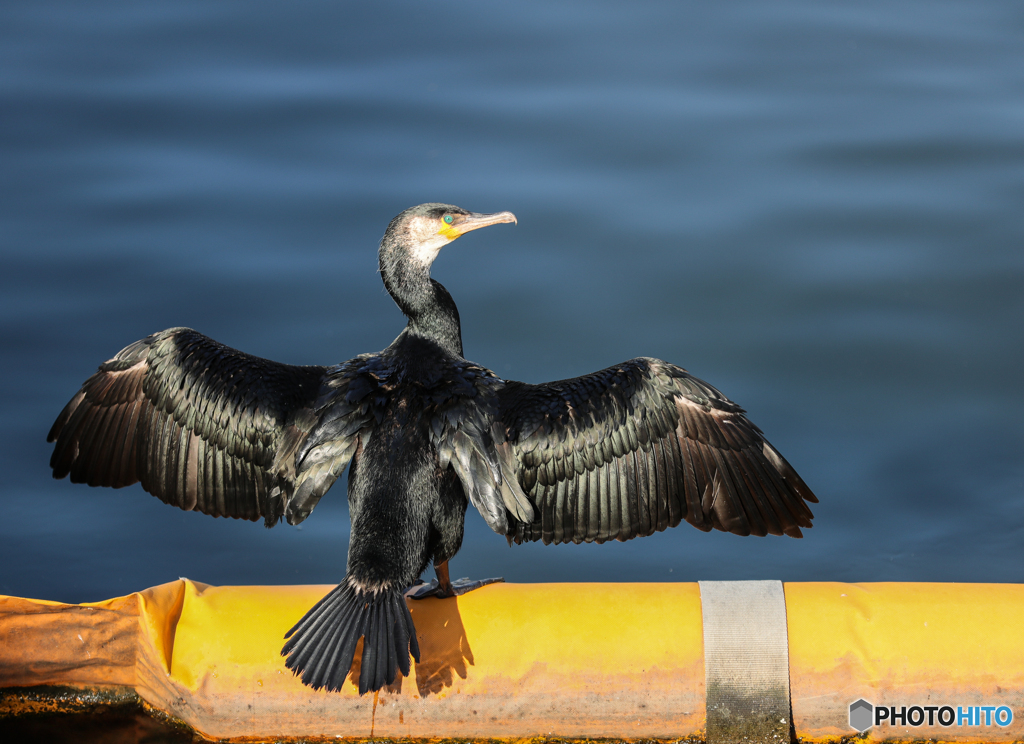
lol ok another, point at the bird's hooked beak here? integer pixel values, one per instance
(465, 223)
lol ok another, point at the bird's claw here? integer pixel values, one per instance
(460, 586)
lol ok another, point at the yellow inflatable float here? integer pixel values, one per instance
(621, 661)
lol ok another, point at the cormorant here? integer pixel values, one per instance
(619, 453)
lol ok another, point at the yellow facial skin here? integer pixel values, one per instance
(449, 231)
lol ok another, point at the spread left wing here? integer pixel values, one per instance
(639, 447)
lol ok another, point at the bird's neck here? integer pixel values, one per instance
(426, 303)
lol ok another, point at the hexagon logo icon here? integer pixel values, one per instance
(861, 715)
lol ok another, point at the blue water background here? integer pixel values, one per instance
(817, 207)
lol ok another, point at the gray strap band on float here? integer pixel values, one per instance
(746, 661)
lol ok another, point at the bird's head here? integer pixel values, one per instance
(418, 234)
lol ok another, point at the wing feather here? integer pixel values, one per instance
(605, 498)
(705, 482)
(627, 496)
(744, 478)
(643, 492)
(691, 506)
(674, 478)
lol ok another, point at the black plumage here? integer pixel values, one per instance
(627, 451)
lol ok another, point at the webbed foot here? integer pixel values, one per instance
(433, 588)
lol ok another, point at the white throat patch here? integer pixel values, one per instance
(426, 241)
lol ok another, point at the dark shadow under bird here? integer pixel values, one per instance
(624, 452)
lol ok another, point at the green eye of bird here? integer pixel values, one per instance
(447, 219)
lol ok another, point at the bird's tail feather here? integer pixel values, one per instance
(322, 644)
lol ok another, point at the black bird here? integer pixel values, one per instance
(619, 453)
